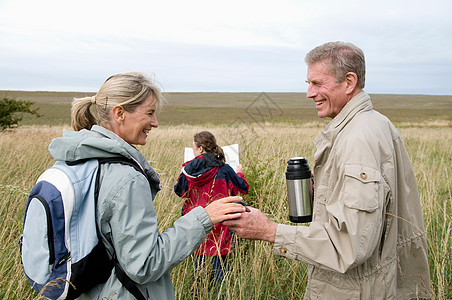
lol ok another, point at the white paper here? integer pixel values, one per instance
(231, 153)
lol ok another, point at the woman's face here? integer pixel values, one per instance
(136, 125)
(197, 150)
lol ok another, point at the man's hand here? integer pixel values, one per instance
(253, 225)
(225, 209)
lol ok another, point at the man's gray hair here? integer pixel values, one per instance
(340, 58)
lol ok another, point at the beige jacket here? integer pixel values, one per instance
(367, 239)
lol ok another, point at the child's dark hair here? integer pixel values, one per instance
(208, 142)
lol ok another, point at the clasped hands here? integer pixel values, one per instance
(247, 222)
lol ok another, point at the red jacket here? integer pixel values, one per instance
(203, 180)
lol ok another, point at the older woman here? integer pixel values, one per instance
(120, 115)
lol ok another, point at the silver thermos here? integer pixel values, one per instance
(299, 190)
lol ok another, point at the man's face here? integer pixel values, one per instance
(329, 96)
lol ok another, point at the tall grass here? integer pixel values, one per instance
(254, 272)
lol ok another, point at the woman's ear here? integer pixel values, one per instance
(351, 79)
(118, 113)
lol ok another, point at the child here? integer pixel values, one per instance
(204, 179)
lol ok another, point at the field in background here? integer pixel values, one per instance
(268, 138)
(227, 108)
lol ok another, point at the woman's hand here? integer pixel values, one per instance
(239, 169)
(225, 209)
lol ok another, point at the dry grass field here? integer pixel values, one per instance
(269, 133)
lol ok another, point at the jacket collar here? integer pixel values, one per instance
(361, 102)
(134, 153)
(201, 169)
(99, 142)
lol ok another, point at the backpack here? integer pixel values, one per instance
(62, 253)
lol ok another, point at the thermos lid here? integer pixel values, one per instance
(297, 160)
(298, 168)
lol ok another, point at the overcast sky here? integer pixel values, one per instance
(224, 46)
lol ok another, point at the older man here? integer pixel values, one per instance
(367, 239)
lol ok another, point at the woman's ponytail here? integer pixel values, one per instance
(81, 114)
(219, 153)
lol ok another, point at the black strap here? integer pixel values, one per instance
(117, 160)
(121, 160)
(128, 283)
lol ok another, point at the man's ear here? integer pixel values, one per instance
(118, 113)
(351, 79)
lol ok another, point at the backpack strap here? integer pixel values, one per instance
(126, 281)
(122, 160)
(115, 160)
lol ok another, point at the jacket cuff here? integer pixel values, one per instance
(203, 218)
(285, 241)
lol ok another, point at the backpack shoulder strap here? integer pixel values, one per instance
(126, 281)
(121, 160)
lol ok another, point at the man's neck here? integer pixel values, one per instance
(355, 92)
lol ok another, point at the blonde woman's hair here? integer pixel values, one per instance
(128, 90)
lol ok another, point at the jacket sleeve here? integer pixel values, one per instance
(237, 182)
(181, 186)
(350, 227)
(143, 252)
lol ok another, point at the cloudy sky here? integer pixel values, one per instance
(224, 46)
